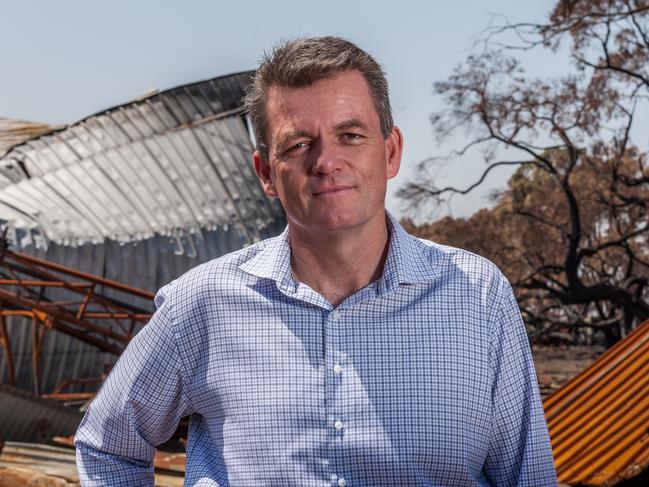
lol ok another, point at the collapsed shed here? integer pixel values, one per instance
(138, 193)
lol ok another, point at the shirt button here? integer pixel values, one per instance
(338, 425)
(338, 369)
(335, 315)
(342, 482)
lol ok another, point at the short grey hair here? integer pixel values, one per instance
(303, 61)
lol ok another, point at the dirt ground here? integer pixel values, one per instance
(556, 365)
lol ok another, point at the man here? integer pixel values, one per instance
(343, 352)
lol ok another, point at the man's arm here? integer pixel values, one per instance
(519, 450)
(138, 407)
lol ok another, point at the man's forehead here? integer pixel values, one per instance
(344, 99)
(352, 80)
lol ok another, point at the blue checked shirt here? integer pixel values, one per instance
(422, 378)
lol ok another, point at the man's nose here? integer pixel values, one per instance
(327, 158)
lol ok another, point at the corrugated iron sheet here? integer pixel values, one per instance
(14, 132)
(45, 459)
(26, 417)
(174, 163)
(599, 421)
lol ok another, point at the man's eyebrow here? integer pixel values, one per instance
(286, 138)
(352, 123)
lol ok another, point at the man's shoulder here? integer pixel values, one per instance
(454, 263)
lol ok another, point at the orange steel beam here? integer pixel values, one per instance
(68, 382)
(38, 332)
(24, 258)
(69, 396)
(61, 315)
(75, 308)
(30, 269)
(93, 318)
(31, 282)
(6, 345)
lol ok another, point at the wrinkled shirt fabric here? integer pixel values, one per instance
(422, 378)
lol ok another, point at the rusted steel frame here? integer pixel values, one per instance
(69, 396)
(59, 325)
(102, 344)
(36, 295)
(131, 327)
(69, 382)
(6, 345)
(61, 315)
(114, 303)
(67, 302)
(13, 272)
(116, 316)
(29, 282)
(33, 271)
(117, 321)
(99, 314)
(37, 340)
(84, 303)
(17, 312)
(80, 274)
(133, 316)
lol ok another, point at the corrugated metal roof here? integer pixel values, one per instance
(162, 166)
(172, 163)
(14, 132)
(599, 421)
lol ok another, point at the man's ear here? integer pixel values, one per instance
(393, 151)
(262, 168)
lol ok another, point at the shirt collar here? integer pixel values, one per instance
(409, 260)
(273, 261)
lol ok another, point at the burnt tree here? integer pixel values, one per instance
(571, 230)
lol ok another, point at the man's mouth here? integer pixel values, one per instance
(332, 190)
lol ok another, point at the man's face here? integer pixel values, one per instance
(328, 162)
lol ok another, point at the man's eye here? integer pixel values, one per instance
(296, 147)
(351, 136)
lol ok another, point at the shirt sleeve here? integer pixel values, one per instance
(519, 448)
(138, 407)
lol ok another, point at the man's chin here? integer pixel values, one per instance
(338, 221)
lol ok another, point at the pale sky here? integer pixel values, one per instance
(66, 59)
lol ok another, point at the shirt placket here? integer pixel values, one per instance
(337, 419)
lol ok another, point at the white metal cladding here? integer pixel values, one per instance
(150, 172)
(171, 164)
(14, 132)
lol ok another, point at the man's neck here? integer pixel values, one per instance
(338, 263)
